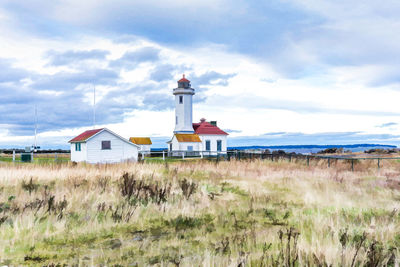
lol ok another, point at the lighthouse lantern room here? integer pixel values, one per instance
(183, 107)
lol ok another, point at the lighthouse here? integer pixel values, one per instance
(183, 107)
(191, 139)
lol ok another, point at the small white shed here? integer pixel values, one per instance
(102, 146)
(144, 144)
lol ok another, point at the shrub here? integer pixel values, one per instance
(188, 188)
(31, 186)
(139, 191)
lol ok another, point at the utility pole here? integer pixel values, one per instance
(35, 143)
(94, 106)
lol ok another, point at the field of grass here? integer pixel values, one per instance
(200, 213)
(38, 158)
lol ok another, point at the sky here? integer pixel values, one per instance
(270, 72)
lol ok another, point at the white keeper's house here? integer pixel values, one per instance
(203, 137)
(102, 146)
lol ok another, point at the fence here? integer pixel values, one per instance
(181, 154)
(164, 155)
(242, 155)
(329, 159)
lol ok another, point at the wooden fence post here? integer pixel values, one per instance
(379, 165)
(308, 160)
(13, 155)
(163, 155)
(329, 162)
(352, 165)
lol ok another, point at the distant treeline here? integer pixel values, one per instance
(376, 148)
(309, 146)
(340, 150)
(281, 147)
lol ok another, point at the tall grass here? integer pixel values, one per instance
(248, 213)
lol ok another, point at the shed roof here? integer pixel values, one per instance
(190, 138)
(85, 135)
(206, 128)
(141, 140)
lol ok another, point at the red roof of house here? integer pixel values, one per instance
(206, 128)
(85, 135)
(183, 80)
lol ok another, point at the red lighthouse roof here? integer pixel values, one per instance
(207, 128)
(183, 80)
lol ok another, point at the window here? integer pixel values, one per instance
(190, 148)
(105, 145)
(77, 146)
(176, 120)
(181, 99)
(208, 145)
(219, 145)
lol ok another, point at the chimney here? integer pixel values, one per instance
(214, 123)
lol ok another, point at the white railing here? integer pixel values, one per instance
(182, 154)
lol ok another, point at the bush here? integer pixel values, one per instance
(188, 188)
(138, 190)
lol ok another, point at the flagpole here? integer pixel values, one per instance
(94, 106)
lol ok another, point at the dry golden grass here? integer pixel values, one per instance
(248, 213)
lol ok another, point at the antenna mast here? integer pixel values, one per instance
(94, 106)
(35, 145)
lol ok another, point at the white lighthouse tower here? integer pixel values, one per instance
(189, 138)
(183, 107)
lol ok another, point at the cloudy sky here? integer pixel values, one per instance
(270, 72)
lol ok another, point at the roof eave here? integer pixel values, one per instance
(102, 130)
(211, 134)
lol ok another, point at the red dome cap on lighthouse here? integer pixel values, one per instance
(183, 80)
(183, 83)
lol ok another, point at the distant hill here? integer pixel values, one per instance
(307, 148)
